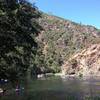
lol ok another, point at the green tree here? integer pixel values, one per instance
(18, 27)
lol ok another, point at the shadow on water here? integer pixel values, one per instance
(56, 88)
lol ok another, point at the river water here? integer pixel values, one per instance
(55, 88)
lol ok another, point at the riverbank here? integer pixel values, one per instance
(63, 76)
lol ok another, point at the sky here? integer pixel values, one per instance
(81, 11)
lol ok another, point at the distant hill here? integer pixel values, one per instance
(62, 38)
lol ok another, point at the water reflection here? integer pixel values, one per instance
(55, 88)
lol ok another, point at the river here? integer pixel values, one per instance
(55, 88)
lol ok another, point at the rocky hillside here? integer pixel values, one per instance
(85, 63)
(62, 38)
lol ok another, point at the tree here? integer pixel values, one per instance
(18, 27)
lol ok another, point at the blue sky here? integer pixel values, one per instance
(84, 11)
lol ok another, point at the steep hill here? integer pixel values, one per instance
(62, 38)
(85, 63)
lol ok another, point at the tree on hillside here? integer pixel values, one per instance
(18, 27)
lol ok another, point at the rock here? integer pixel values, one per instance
(6, 80)
(49, 74)
(40, 75)
(88, 62)
(3, 81)
(1, 90)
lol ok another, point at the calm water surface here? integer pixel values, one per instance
(55, 88)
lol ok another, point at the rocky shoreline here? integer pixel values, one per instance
(64, 76)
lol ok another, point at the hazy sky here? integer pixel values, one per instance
(84, 11)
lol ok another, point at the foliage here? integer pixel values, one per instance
(24, 46)
(18, 27)
(80, 75)
(64, 38)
